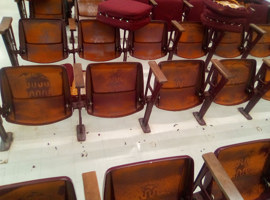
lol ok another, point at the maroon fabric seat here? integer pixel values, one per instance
(194, 14)
(128, 14)
(168, 10)
(224, 18)
(260, 13)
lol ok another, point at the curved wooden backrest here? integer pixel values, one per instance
(239, 87)
(262, 48)
(35, 95)
(150, 41)
(185, 85)
(58, 188)
(191, 41)
(47, 9)
(248, 165)
(98, 41)
(114, 89)
(87, 8)
(163, 179)
(43, 40)
(230, 45)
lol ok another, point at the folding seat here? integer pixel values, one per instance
(164, 178)
(186, 84)
(229, 31)
(262, 88)
(189, 40)
(149, 42)
(98, 41)
(262, 47)
(45, 9)
(34, 95)
(247, 165)
(116, 89)
(58, 188)
(86, 8)
(40, 40)
(238, 88)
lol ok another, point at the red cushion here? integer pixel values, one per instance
(168, 10)
(127, 14)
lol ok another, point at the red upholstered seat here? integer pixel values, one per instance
(127, 14)
(168, 10)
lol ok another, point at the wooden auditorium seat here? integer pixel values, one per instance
(57, 188)
(116, 89)
(149, 42)
(34, 95)
(186, 84)
(98, 41)
(247, 166)
(189, 40)
(163, 179)
(44, 9)
(238, 88)
(40, 40)
(262, 81)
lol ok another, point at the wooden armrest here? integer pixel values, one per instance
(221, 69)
(91, 190)
(257, 29)
(221, 177)
(266, 61)
(72, 24)
(5, 24)
(78, 75)
(178, 26)
(161, 78)
(188, 4)
(153, 2)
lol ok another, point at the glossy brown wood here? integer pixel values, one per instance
(43, 40)
(247, 165)
(220, 176)
(114, 89)
(5, 24)
(42, 89)
(91, 190)
(184, 88)
(98, 41)
(86, 8)
(149, 42)
(229, 46)
(239, 87)
(163, 179)
(47, 9)
(262, 48)
(191, 42)
(58, 188)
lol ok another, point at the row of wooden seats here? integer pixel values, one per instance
(116, 89)
(233, 172)
(194, 37)
(101, 42)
